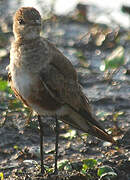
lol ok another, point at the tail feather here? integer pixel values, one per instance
(102, 135)
(84, 121)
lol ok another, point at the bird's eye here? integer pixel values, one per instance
(21, 21)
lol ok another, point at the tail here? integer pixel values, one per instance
(84, 121)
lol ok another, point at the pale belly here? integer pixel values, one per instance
(22, 82)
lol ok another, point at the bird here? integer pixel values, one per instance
(46, 81)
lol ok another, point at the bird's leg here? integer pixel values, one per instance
(56, 145)
(41, 145)
(29, 117)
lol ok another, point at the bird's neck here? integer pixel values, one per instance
(26, 37)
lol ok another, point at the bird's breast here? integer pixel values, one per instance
(28, 85)
(21, 81)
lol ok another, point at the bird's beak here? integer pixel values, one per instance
(36, 23)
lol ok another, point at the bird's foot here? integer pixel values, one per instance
(55, 172)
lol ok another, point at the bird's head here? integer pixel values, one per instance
(27, 23)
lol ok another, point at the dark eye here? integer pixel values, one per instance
(21, 21)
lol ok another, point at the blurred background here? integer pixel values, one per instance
(95, 36)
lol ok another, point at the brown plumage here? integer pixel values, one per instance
(44, 79)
